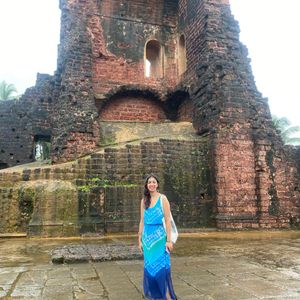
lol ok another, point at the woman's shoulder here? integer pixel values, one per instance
(163, 197)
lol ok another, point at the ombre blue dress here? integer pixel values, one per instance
(157, 264)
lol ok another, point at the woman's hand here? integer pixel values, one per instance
(169, 246)
(141, 246)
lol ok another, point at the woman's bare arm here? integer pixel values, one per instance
(141, 225)
(167, 211)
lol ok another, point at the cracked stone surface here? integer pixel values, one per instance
(84, 253)
(212, 266)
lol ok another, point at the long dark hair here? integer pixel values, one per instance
(147, 196)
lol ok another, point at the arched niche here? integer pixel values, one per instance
(181, 55)
(179, 107)
(153, 60)
(132, 106)
(3, 165)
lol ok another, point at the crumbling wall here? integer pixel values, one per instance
(120, 32)
(298, 159)
(102, 51)
(192, 23)
(21, 121)
(106, 188)
(255, 181)
(103, 47)
(74, 127)
(132, 109)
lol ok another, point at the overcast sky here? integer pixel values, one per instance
(29, 39)
(269, 28)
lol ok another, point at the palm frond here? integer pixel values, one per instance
(6, 90)
(283, 125)
(291, 130)
(280, 123)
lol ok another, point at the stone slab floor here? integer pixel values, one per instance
(211, 265)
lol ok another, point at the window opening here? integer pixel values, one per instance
(182, 55)
(42, 147)
(3, 165)
(153, 60)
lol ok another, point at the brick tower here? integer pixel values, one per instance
(171, 60)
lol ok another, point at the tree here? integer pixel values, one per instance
(287, 131)
(6, 90)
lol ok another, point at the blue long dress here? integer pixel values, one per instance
(157, 264)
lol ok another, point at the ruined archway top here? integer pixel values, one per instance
(134, 90)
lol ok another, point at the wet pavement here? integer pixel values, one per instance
(206, 265)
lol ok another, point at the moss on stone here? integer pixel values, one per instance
(269, 160)
(27, 199)
(274, 203)
(273, 208)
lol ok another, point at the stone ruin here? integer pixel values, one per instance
(156, 86)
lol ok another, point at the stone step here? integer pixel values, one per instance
(120, 132)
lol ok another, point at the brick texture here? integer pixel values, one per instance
(104, 190)
(255, 183)
(22, 120)
(132, 109)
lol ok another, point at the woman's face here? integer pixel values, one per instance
(152, 184)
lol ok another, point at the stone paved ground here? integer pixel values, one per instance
(211, 269)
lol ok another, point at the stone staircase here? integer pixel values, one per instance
(101, 192)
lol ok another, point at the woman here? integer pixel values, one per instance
(155, 242)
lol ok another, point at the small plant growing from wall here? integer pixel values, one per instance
(96, 182)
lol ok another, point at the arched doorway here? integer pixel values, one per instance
(132, 106)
